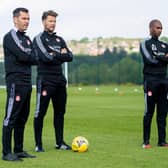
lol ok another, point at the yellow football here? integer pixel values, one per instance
(80, 144)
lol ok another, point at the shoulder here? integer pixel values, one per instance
(42, 36)
(145, 42)
(8, 34)
(38, 35)
(7, 37)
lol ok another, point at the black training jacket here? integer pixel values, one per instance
(48, 48)
(154, 57)
(19, 56)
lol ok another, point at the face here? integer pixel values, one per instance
(22, 21)
(49, 24)
(156, 29)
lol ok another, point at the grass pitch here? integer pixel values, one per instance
(110, 117)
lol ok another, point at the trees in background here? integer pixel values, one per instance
(112, 67)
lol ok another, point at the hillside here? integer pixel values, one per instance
(98, 46)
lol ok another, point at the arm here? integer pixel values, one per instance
(23, 55)
(146, 52)
(42, 53)
(20, 55)
(66, 55)
(162, 56)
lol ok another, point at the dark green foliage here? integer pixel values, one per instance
(111, 67)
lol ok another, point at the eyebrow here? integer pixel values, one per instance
(159, 27)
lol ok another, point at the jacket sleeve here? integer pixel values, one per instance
(162, 56)
(147, 54)
(44, 56)
(64, 57)
(21, 56)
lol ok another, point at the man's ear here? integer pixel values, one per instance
(15, 20)
(43, 22)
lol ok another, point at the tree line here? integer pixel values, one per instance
(117, 67)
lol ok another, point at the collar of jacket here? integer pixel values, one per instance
(49, 34)
(21, 33)
(17, 31)
(155, 38)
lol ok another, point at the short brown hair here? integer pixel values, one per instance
(16, 12)
(49, 13)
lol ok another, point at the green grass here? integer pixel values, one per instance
(112, 123)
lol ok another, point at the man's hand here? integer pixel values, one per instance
(167, 55)
(63, 51)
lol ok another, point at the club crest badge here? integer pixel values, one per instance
(28, 42)
(57, 39)
(44, 93)
(17, 98)
(149, 93)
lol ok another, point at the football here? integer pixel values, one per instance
(80, 144)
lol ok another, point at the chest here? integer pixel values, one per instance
(24, 41)
(53, 43)
(158, 47)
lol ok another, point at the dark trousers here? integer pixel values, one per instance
(155, 95)
(58, 96)
(17, 112)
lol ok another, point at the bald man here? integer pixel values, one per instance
(155, 91)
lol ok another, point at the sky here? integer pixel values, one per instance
(90, 18)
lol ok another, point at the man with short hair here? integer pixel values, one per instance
(52, 53)
(19, 57)
(155, 60)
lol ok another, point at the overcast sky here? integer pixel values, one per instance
(90, 18)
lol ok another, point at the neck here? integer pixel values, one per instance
(49, 32)
(18, 29)
(155, 37)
